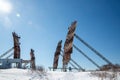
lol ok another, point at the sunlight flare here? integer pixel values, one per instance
(5, 7)
(18, 15)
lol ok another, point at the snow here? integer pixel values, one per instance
(14, 74)
(25, 74)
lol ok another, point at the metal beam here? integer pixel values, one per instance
(74, 62)
(71, 64)
(9, 55)
(86, 56)
(6, 52)
(92, 49)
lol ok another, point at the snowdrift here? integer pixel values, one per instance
(25, 74)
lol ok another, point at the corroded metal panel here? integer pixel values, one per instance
(16, 46)
(68, 44)
(33, 66)
(56, 55)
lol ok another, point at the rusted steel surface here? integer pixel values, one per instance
(33, 66)
(16, 46)
(56, 55)
(68, 44)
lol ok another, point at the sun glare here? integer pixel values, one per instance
(18, 15)
(5, 6)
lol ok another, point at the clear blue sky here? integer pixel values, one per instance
(42, 23)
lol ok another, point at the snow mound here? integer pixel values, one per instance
(14, 74)
(25, 74)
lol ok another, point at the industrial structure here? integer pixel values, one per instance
(68, 45)
(16, 61)
(56, 55)
(68, 49)
(65, 53)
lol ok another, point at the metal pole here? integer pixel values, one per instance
(6, 52)
(91, 48)
(86, 56)
(74, 62)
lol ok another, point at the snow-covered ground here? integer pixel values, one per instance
(22, 74)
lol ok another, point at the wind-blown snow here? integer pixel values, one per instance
(25, 74)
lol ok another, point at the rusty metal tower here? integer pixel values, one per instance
(16, 46)
(68, 46)
(56, 55)
(33, 66)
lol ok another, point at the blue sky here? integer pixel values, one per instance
(42, 23)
